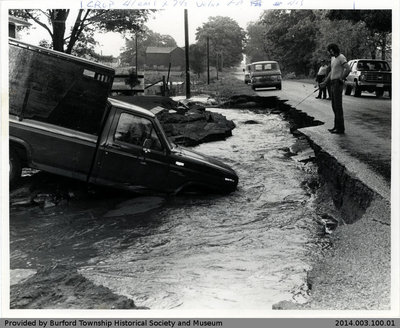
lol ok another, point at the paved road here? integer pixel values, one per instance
(366, 113)
(365, 148)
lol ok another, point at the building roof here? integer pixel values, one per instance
(160, 50)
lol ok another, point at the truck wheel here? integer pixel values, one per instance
(357, 91)
(279, 87)
(347, 92)
(379, 92)
(15, 167)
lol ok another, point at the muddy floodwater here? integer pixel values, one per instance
(246, 250)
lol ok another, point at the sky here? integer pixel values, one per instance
(166, 22)
(196, 18)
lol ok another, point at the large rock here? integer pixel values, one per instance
(196, 127)
(187, 123)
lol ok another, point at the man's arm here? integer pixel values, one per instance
(324, 83)
(346, 70)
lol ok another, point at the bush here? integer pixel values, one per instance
(290, 76)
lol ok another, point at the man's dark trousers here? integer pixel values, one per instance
(336, 94)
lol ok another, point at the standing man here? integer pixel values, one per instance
(339, 71)
(321, 75)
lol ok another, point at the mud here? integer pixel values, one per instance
(61, 287)
(49, 215)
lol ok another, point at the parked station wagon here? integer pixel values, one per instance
(265, 74)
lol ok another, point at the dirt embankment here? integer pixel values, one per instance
(354, 271)
(62, 287)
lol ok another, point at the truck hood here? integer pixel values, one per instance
(192, 155)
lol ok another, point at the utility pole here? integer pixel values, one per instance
(217, 63)
(208, 60)
(136, 59)
(187, 55)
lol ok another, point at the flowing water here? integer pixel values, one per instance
(247, 250)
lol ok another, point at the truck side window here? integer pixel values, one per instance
(136, 130)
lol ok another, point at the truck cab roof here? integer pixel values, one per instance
(130, 107)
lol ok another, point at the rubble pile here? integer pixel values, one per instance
(187, 123)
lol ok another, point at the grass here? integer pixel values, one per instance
(227, 85)
(230, 83)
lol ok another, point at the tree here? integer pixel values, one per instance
(355, 44)
(378, 23)
(146, 38)
(255, 46)
(298, 38)
(227, 40)
(54, 22)
(197, 58)
(290, 38)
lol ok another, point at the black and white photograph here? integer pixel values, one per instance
(259, 184)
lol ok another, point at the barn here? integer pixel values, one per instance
(159, 58)
(13, 24)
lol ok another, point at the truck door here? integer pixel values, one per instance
(133, 156)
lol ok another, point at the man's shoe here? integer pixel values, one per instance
(335, 131)
(329, 98)
(317, 97)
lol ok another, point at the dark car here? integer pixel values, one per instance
(370, 75)
(131, 152)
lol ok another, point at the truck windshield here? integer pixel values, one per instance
(137, 131)
(365, 65)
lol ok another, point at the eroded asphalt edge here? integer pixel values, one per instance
(356, 272)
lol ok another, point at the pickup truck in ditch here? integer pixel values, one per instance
(62, 121)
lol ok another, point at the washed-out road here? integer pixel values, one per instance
(367, 122)
(361, 251)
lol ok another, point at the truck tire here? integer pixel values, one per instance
(279, 87)
(15, 167)
(379, 92)
(357, 91)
